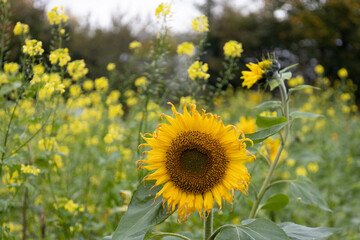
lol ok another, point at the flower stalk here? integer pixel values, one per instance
(208, 225)
(284, 137)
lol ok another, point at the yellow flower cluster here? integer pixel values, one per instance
(72, 207)
(102, 84)
(56, 16)
(52, 84)
(345, 97)
(30, 169)
(233, 49)
(342, 73)
(135, 45)
(60, 56)
(88, 85)
(201, 24)
(186, 48)
(247, 125)
(298, 80)
(75, 90)
(33, 47)
(198, 70)
(38, 69)
(3, 79)
(115, 110)
(141, 81)
(111, 66)
(115, 132)
(77, 69)
(163, 10)
(319, 69)
(113, 97)
(270, 149)
(11, 68)
(255, 74)
(21, 28)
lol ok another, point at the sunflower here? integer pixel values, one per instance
(198, 159)
(255, 74)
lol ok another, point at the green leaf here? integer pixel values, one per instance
(142, 214)
(304, 191)
(299, 114)
(252, 229)
(276, 202)
(265, 122)
(286, 75)
(289, 67)
(274, 83)
(269, 105)
(261, 135)
(6, 89)
(300, 87)
(2, 149)
(299, 232)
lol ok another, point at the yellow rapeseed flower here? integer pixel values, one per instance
(313, 167)
(186, 48)
(115, 110)
(141, 81)
(38, 69)
(71, 206)
(290, 162)
(270, 149)
(198, 70)
(298, 80)
(319, 69)
(342, 73)
(200, 24)
(75, 90)
(199, 161)
(102, 84)
(3, 79)
(88, 85)
(77, 69)
(111, 66)
(21, 28)
(247, 125)
(11, 68)
(233, 49)
(163, 10)
(33, 47)
(30, 169)
(345, 97)
(135, 45)
(113, 97)
(60, 56)
(56, 16)
(301, 171)
(255, 74)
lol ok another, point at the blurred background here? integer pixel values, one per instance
(308, 32)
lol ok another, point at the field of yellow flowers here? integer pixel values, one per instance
(81, 160)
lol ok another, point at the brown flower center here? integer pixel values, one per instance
(196, 161)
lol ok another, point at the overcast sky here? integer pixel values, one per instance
(100, 11)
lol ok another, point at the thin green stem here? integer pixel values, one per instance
(267, 181)
(7, 135)
(171, 234)
(208, 226)
(277, 182)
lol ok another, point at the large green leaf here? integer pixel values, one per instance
(269, 105)
(167, 236)
(276, 202)
(286, 75)
(300, 87)
(252, 229)
(274, 83)
(261, 135)
(305, 192)
(142, 214)
(265, 122)
(299, 232)
(299, 114)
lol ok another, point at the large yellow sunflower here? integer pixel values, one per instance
(198, 159)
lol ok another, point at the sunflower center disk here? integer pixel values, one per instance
(196, 162)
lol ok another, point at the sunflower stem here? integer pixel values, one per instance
(267, 182)
(208, 225)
